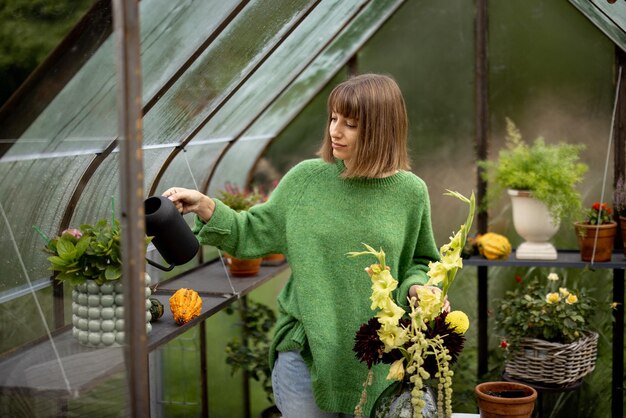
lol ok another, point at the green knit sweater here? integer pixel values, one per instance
(315, 217)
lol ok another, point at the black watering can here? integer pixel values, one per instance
(172, 236)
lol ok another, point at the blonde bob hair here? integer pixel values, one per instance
(376, 103)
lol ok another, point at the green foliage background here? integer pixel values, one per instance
(29, 31)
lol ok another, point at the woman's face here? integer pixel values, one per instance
(343, 134)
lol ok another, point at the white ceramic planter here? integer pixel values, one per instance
(535, 225)
(98, 313)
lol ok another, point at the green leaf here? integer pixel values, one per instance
(113, 272)
(58, 262)
(66, 249)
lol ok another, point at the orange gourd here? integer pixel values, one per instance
(185, 305)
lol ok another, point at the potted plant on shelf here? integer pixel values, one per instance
(249, 352)
(596, 234)
(89, 259)
(541, 180)
(547, 339)
(241, 199)
(619, 204)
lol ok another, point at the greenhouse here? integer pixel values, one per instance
(113, 304)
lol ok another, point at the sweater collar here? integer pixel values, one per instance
(368, 181)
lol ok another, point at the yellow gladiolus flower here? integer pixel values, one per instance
(553, 297)
(390, 314)
(396, 371)
(459, 321)
(429, 302)
(392, 336)
(437, 272)
(571, 299)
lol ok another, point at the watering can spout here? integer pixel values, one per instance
(172, 237)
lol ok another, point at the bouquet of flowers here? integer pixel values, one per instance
(420, 344)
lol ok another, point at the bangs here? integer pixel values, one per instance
(344, 101)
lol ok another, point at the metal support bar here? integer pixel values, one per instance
(126, 25)
(617, 382)
(204, 384)
(481, 99)
(483, 320)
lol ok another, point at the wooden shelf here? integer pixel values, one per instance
(35, 369)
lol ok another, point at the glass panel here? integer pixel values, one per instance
(216, 73)
(304, 88)
(550, 90)
(83, 117)
(32, 194)
(285, 64)
(610, 18)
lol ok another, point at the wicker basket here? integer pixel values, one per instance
(553, 363)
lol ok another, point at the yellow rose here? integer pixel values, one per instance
(563, 292)
(571, 299)
(552, 297)
(553, 277)
(396, 371)
(458, 321)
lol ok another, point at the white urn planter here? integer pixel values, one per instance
(533, 222)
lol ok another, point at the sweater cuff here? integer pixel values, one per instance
(217, 229)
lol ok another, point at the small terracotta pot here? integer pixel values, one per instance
(243, 268)
(273, 259)
(586, 235)
(505, 399)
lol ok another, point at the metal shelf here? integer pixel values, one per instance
(34, 368)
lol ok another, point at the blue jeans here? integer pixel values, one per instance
(293, 392)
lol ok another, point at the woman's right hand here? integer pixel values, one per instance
(189, 200)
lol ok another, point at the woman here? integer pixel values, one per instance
(360, 191)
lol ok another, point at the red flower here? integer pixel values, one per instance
(504, 344)
(518, 278)
(596, 206)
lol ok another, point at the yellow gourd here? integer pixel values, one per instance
(493, 246)
(185, 305)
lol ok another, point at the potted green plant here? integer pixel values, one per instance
(541, 180)
(596, 233)
(249, 352)
(547, 339)
(619, 205)
(239, 199)
(89, 259)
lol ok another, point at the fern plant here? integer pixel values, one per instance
(550, 172)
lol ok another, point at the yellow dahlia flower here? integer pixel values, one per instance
(459, 321)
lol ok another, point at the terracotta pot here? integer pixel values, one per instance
(243, 268)
(505, 399)
(273, 259)
(586, 235)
